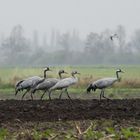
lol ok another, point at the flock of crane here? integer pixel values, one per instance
(32, 84)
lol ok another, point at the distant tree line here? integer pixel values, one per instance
(69, 49)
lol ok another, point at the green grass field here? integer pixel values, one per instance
(95, 71)
(128, 87)
(131, 72)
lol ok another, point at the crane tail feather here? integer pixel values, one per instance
(91, 87)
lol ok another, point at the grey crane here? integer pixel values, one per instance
(47, 84)
(104, 83)
(64, 84)
(29, 83)
(112, 36)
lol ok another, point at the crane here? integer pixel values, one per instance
(104, 83)
(47, 84)
(29, 83)
(112, 36)
(64, 84)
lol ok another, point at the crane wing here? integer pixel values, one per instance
(31, 81)
(64, 83)
(47, 83)
(105, 82)
(18, 83)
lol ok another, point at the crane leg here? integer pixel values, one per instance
(32, 92)
(101, 94)
(50, 95)
(104, 96)
(16, 91)
(43, 95)
(25, 93)
(67, 93)
(32, 96)
(60, 94)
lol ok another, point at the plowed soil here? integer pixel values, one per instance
(46, 111)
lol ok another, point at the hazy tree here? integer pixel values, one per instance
(35, 40)
(122, 36)
(53, 39)
(69, 48)
(16, 47)
(94, 48)
(65, 41)
(44, 41)
(135, 42)
(2, 38)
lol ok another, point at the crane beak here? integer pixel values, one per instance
(78, 73)
(50, 70)
(122, 71)
(65, 72)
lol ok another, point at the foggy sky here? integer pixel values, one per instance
(66, 15)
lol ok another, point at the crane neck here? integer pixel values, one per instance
(60, 76)
(45, 75)
(117, 74)
(73, 75)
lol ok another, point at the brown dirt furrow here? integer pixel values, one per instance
(37, 110)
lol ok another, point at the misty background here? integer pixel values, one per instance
(38, 33)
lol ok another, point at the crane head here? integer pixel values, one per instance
(47, 69)
(75, 72)
(119, 70)
(62, 71)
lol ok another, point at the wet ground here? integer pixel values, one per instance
(77, 109)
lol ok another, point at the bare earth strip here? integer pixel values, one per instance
(77, 109)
